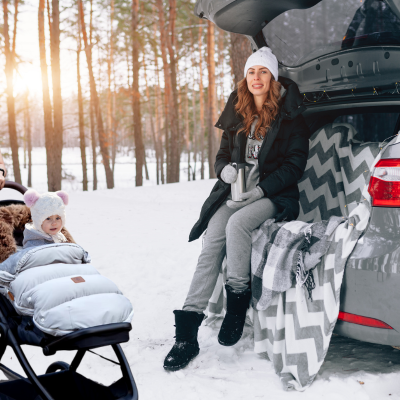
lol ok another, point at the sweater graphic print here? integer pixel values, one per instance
(253, 147)
(253, 144)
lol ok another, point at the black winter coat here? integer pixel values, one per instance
(282, 157)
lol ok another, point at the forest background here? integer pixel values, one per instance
(138, 80)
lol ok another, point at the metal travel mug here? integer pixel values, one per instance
(239, 186)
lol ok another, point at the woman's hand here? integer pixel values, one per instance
(249, 197)
(229, 174)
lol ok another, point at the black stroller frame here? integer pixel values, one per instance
(61, 380)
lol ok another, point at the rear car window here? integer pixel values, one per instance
(298, 36)
(372, 127)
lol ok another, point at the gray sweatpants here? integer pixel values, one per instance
(228, 233)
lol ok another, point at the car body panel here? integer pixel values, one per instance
(392, 151)
(371, 281)
(228, 14)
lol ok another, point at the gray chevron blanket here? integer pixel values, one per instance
(291, 329)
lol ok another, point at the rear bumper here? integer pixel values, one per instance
(366, 334)
(371, 282)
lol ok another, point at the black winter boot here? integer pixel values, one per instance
(237, 303)
(186, 346)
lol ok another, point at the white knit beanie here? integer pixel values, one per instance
(45, 205)
(264, 57)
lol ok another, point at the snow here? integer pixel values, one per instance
(124, 172)
(138, 238)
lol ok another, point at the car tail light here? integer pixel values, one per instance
(360, 320)
(384, 185)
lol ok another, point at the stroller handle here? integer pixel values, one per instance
(16, 186)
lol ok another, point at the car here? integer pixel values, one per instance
(345, 57)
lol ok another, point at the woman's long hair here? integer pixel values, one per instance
(246, 107)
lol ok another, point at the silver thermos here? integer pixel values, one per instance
(239, 186)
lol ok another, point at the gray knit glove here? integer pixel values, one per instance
(229, 174)
(250, 197)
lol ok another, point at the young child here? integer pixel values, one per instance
(48, 218)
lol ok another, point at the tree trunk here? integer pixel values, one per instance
(80, 111)
(109, 94)
(24, 141)
(91, 106)
(137, 118)
(221, 101)
(166, 134)
(57, 100)
(9, 71)
(171, 92)
(28, 135)
(158, 103)
(175, 131)
(194, 112)
(93, 140)
(96, 104)
(145, 168)
(157, 134)
(150, 113)
(181, 118)
(201, 92)
(187, 135)
(114, 130)
(212, 133)
(47, 107)
(194, 132)
(240, 52)
(168, 106)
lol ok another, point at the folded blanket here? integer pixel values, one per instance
(56, 285)
(282, 252)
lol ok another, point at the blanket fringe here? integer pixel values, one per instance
(303, 277)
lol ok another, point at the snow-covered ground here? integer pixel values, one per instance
(138, 238)
(124, 173)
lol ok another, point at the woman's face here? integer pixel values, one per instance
(258, 80)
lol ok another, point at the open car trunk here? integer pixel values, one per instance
(246, 17)
(349, 47)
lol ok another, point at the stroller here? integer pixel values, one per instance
(61, 380)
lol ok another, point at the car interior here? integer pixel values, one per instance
(373, 124)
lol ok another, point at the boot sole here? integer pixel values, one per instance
(227, 344)
(177, 368)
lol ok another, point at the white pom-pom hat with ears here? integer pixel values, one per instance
(45, 205)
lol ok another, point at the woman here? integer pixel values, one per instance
(263, 127)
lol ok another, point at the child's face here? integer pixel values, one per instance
(52, 225)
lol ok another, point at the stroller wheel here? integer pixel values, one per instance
(57, 366)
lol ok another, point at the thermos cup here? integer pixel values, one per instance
(239, 186)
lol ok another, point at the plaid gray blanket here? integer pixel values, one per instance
(284, 252)
(292, 260)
